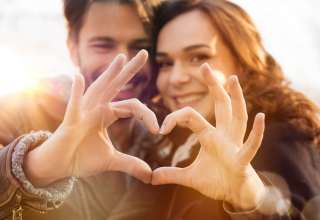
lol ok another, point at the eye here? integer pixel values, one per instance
(164, 64)
(199, 58)
(134, 50)
(104, 46)
(137, 48)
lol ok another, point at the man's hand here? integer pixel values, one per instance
(81, 146)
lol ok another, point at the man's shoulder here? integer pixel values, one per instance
(57, 87)
(40, 107)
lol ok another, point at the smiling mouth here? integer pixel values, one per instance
(132, 89)
(134, 82)
(188, 99)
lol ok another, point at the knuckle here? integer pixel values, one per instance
(134, 103)
(135, 100)
(189, 111)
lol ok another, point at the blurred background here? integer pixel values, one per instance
(32, 41)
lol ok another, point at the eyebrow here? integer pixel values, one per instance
(186, 49)
(110, 39)
(196, 46)
(105, 39)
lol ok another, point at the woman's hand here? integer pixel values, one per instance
(222, 168)
(81, 146)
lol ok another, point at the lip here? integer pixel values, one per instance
(125, 94)
(188, 99)
(187, 94)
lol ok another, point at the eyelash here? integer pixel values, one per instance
(107, 47)
(103, 46)
(164, 64)
(200, 58)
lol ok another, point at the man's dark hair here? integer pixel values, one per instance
(75, 11)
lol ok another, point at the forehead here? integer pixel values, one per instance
(120, 21)
(190, 28)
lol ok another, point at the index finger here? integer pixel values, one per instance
(186, 117)
(134, 108)
(222, 105)
(126, 74)
(97, 88)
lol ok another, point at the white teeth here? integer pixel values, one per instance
(189, 98)
(127, 87)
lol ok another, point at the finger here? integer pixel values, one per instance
(97, 88)
(254, 141)
(77, 90)
(239, 110)
(134, 108)
(169, 175)
(132, 166)
(126, 74)
(186, 117)
(223, 108)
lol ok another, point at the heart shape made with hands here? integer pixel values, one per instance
(223, 163)
(81, 146)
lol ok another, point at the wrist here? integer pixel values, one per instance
(23, 163)
(250, 193)
(49, 161)
(38, 171)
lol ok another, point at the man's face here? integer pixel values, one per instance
(109, 29)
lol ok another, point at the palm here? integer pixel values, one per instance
(92, 155)
(94, 112)
(80, 146)
(222, 166)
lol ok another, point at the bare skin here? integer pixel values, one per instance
(80, 146)
(222, 169)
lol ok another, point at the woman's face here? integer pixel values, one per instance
(185, 43)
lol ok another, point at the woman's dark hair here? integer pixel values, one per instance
(263, 83)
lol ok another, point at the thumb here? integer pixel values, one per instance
(169, 175)
(132, 166)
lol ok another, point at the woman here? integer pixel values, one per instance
(219, 33)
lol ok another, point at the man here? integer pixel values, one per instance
(98, 31)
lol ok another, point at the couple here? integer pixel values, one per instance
(206, 145)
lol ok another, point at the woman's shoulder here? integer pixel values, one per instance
(286, 130)
(285, 139)
(288, 152)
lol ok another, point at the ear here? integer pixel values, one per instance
(72, 44)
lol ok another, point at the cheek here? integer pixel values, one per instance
(98, 61)
(146, 71)
(162, 83)
(226, 67)
(93, 64)
(206, 107)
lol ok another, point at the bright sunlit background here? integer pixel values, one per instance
(32, 40)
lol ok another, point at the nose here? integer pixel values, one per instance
(124, 50)
(179, 74)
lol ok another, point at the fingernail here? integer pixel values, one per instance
(156, 129)
(262, 115)
(143, 52)
(162, 130)
(206, 64)
(234, 79)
